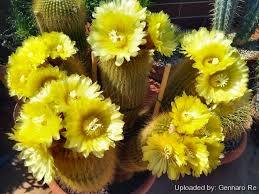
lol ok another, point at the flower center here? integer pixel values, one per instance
(73, 94)
(167, 152)
(188, 116)
(219, 80)
(212, 60)
(93, 127)
(41, 120)
(115, 36)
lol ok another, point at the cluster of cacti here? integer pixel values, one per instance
(235, 111)
(226, 13)
(70, 129)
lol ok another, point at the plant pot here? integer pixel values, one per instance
(235, 154)
(143, 189)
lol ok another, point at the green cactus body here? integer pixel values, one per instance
(219, 14)
(224, 14)
(127, 84)
(249, 24)
(67, 16)
(181, 79)
(84, 174)
(231, 11)
(131, 155)
(236, 117)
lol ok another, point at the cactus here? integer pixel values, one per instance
(131, 155)
(81, 174)
(250, 22)
(127, 85)
(219, 14)
(181, 79)
(67, 16)
(236, 117)
(224, 13)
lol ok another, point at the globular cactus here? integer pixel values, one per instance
(67, 16)
(127, 84)
(249, 23)
(81, 174)
(131, 155)
(236, 117)
(181, 79)
(224, 14)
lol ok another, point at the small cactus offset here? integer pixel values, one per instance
(129, 92)
(82, 174)
(67, 16)
(249, 23)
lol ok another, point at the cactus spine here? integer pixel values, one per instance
(67, 16)
(250, 22)
(127, 85)
(224, 13)
(131, 154)
(181, 79)
(84, 174)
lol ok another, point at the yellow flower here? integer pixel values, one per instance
(215, 149)
(197, 155)
(213, 129)
(189, 114)
(211, 51)
(17, 77)
(61, 92)
(59, 45)
(162, 33)
(92, 126)
(225, 85)
(39, 161)
(118, 30)
(165, 154)
(37, 124)
(33, 51)
(39, 77)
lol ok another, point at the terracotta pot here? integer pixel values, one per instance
(235, 154)
(143, 189)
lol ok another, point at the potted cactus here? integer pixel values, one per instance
(83, 136)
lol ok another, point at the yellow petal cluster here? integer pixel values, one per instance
(27, 64)
(165, 154)
(210, 50)
(225, 85)
(37, 124)
(59, 45)
(69, 111)
(162, 33)
(118, 30)
(63, 91)
(186, 141)
(189, 114)
(39, 161)
(93, 128)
